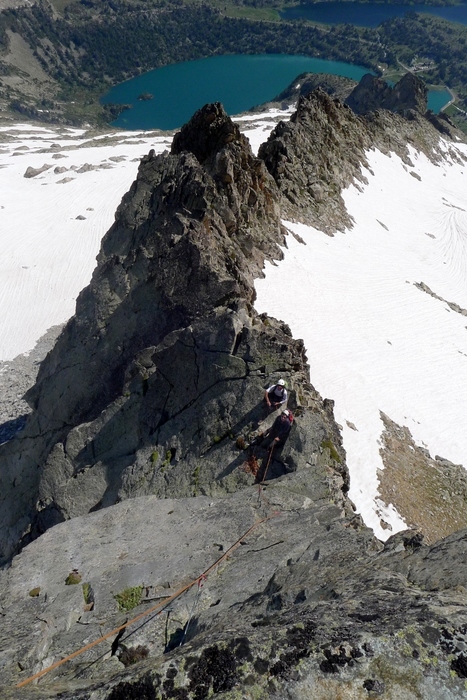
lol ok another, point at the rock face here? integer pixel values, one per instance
(372, 93)
(321, 150)
(310, 604)
(165, 362)
(408, 97)
(313, 156)
(337, 87)
(369, 95)
(130, 484)
(410, 93)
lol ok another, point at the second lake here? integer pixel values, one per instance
(238, 81)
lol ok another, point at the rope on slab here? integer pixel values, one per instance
(160, 606)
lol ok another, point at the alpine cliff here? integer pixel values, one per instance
(131, 482)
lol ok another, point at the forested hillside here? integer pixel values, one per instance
(57, 59)
(436, 39)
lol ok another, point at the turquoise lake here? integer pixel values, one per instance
(239, 82)
(369, 14)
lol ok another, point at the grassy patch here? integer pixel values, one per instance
(254, 13)
(59, 5)
(129, 598)
(87, 593)
(430, 495)
(73, 579)
(333, 453)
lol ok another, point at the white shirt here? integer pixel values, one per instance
(277, 397)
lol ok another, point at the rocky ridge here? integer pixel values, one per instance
(321, 149)
(130, 475)
(117, 413)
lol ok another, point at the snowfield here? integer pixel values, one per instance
(47, 254)
(375, 341)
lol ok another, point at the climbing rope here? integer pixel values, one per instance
(201, 581)
(271, 450)
(252, 465)
(159, 607)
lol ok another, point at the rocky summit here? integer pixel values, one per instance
(152, 547)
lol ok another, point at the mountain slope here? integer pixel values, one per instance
(155, 385)
(378, 343)
(163, 364)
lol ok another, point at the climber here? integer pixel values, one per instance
(273, 439)
(279, 431)
(275, 396)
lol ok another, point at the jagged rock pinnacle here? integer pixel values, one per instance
(207, 132)
(165, 329)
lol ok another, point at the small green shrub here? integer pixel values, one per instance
(154, 456)
(34, 592)
(168, 458)
(327, 444)
(129, 598)
(73, 578)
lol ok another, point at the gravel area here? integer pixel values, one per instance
(16, 377)
(429, 493)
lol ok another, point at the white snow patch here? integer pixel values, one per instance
(263, 125)
(47, 255)
(376, 342)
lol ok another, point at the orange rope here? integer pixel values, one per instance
(267, 465)
(164, 603)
